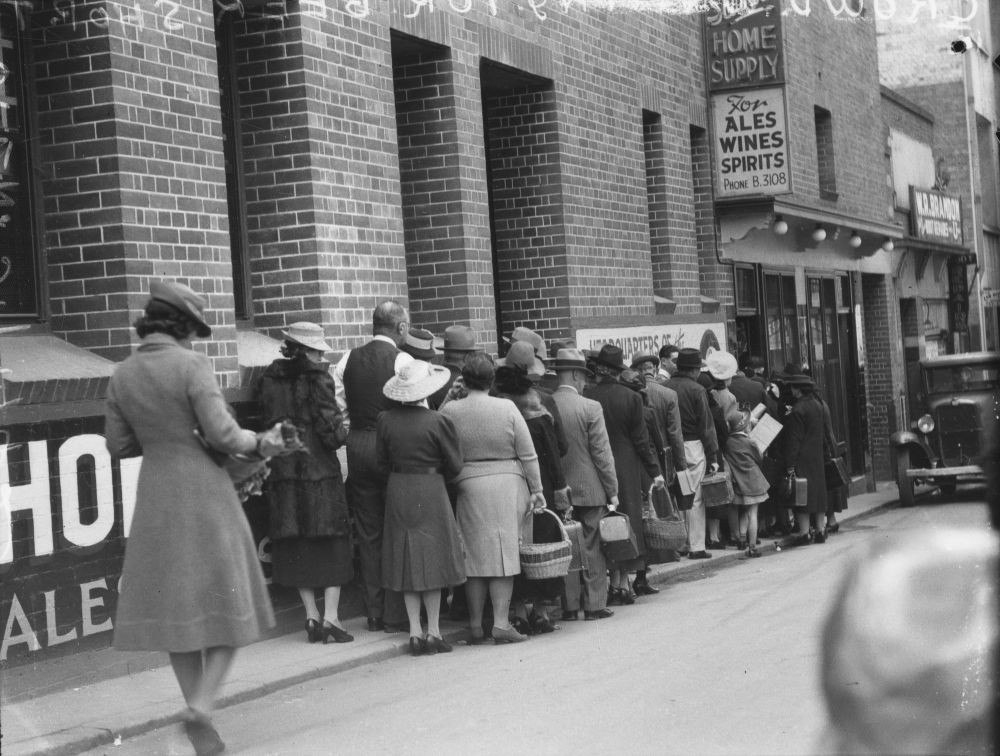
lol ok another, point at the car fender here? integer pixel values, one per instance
(920, 454)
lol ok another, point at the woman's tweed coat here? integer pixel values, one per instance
(191, 578)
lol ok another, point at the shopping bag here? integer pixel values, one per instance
(618, 541)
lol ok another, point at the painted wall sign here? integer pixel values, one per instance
(936, 216)
(632, 339)
(958, 298)
(743, 46)
(750, 143)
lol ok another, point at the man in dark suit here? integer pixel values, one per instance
(590, 473)
(359, 377)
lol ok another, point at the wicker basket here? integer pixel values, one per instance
(667, 532)
(546, 560)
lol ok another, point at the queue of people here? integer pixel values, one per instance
(452, 460)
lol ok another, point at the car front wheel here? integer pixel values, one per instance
(904, 483)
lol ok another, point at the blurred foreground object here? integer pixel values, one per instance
(910, 648)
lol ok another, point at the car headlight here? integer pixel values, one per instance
(925, 424)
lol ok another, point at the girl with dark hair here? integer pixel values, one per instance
(309, 531)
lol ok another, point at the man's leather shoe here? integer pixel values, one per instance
(598, 614)
(570, 615)
(375, 625)
(644, 589)
(699, 555)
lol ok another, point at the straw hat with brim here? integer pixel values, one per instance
(416, 380)
(641, 358)
(571, 359)
(308, 335)
(610, 356)
(721, 365)
(185, 300)
(522, 355)
(688, 359)
(419, 344)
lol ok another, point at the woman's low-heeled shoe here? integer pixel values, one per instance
(203, 736)
(338, 635)
(437, 645)
(507, 635)
(540, 625)
(313, 634)
(418, 646)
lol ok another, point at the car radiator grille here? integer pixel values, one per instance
(959, 428)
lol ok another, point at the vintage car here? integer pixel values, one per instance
(961, 397)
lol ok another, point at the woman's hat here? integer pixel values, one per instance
(522, 355)
(571, 359)
(416, 380)
(801, 382)
(633, 380)
(460, 338)
(721, 365)
(419, 344)
(642, 357)
(688, 359)
(610, 356)
(185, 300)
(522, 334)
(308, 335)
(511, 379)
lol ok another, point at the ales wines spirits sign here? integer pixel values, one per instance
(750, 149)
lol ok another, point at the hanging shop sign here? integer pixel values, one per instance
(750, 143)
(743, 46)
(936, 216)
(704, 337)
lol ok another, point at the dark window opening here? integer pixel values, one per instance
(824, 154)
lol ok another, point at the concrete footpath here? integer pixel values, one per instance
(69, 705)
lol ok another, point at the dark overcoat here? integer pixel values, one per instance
(305, 490)
(802, 449)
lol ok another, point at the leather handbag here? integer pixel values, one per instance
(618, 541)
(835, 471)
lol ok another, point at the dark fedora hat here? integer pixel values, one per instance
(571, 359)
(688, 359)
(185, 300)
(610, 356)
(800, 381)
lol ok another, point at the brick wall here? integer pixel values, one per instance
(716, 280)
(131, 151)
(884, 371)
(529, 241)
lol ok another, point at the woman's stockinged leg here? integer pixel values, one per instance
(331, 605)
(308, 596)
(217, 662)
(752, 525)
(412, 601)
(501, 589)
(187, 668)
(432, 602)
(475, 593)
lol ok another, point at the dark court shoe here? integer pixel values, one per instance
(339, 635)
(521, 625)
(437, 645)
(418, 646)
(699, 555)
(598, 614)
(375, 625)
(540, 625)
(644, 589)
(625, 596)
(819, 536)
(313, 634)
(203, 736)
(835, 528)
(716, 545)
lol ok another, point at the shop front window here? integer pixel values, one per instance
(782, 325)
(18, 255)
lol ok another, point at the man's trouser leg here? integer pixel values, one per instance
(594, 575)
(694, 453)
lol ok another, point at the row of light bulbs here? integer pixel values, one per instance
(819, 234)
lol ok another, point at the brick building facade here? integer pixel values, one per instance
(487, 163)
